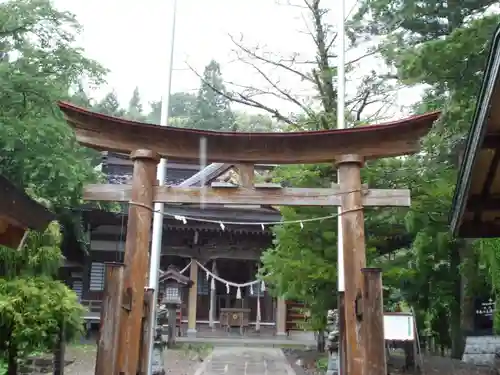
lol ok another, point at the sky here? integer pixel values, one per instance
(132, 40)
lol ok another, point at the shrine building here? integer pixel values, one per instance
(231, 254)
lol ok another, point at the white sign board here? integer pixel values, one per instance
(399, 327)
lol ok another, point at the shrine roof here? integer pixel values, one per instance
(475, 209)
(18, 213)
(107, 133)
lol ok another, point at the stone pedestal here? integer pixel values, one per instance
(158, 363)
(482, 350)
(333, 364)
(332, 344)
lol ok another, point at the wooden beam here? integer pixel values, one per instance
(256, 196)
(490, 176)
(470, 229)
(487, 203)
(492, 141)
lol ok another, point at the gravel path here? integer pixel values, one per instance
(245, 361)
(303, 362)
(177, 362)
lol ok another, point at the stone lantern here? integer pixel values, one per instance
(173, 282)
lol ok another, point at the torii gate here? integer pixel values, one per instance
(348, 148)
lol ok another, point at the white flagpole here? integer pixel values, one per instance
(161, 175)
(341, 125)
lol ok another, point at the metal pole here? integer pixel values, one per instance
(341, 125)
(159, 207)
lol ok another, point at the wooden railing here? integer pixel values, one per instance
(93, 306)
(295, 316)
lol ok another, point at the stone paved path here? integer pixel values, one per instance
(245, 361)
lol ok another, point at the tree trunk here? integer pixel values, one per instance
(320, 341)
(58, 352)
(12, 360)
(469, 261)
(457, 339)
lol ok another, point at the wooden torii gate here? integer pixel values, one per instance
(348, 148)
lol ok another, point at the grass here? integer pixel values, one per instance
(322, 363)
(83, 347)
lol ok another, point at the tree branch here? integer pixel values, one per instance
(246, 100)
(279, 64)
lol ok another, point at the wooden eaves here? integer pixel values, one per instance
(475, 211)
(18, 213)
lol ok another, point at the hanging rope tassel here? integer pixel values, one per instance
(212, 284)
(263, 286)
(251, 290)
(227, 288)
(207, 275)
(238, 293)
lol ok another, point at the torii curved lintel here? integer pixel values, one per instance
(107, 133)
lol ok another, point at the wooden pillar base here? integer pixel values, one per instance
(146, 339)
(373, 323)
(342, 336)
(107, 347)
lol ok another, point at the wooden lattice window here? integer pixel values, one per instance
(78, 288)
(96, 276)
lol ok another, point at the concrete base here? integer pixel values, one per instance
(302, 335)
(191, 332)
(281, 334)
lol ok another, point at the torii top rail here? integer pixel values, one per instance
(108, 133)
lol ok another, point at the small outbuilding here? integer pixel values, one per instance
(476, 204)
(18, 213)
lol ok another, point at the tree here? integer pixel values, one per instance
(312, 91)
(182, 106)
(298, 252)
(39, 153)
(134, 111)
(37, 149)
(33, 304)
(212, 110)
(110, 105)
(425, 259)
(80, 97)
(444, 47)
(255, 122)
(302, 263)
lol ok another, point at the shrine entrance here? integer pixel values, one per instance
(119, 349)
